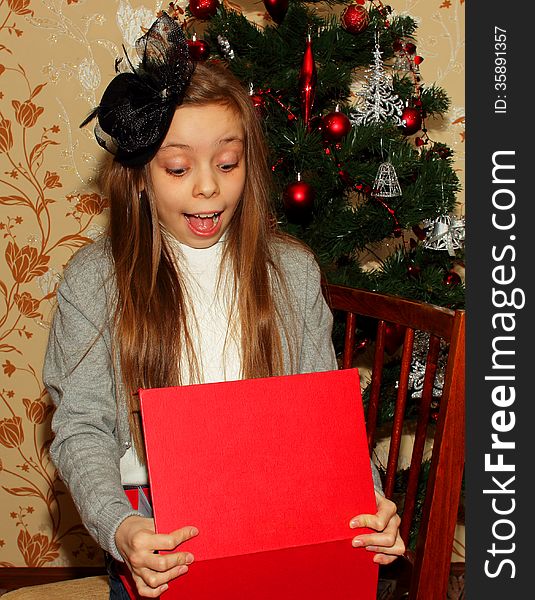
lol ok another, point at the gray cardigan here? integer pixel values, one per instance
(90, 425)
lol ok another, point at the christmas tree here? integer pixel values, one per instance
(354, 167)
(345, 110)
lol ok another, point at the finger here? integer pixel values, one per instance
(164, 562)
(386, 513)
(387, 538)
(384, 540)
(169, 541)
(385, 507)
(147, 592)
(396, 549)
(377, 522)
(384, 559)
(154, 580)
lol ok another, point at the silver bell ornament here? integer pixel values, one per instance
(386, 184)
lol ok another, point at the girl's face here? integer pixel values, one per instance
(198, 174)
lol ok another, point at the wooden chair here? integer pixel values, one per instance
(430, 563)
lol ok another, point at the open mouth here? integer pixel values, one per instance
(204, 223)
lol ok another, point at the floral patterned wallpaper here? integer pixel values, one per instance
(56, 57)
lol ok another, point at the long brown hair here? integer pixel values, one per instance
(151, 293)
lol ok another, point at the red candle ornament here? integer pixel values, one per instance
(277, 9)
(203, 9)
(307, 81)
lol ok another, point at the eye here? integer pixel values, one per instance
(228, 167)
(176, 172)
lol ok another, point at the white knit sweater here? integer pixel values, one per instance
(208, 321)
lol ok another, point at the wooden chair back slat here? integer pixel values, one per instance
(399, 413)
(445, 478)
(375, 384)
(349, 341)
(420, 436)
(432, 557)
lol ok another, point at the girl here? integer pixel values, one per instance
(193, 283)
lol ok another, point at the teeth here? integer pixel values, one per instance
(214, 216)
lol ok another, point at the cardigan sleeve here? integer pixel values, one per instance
(78, 375)
(317, 351)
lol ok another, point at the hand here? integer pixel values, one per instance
(387, 542)
(137, 541)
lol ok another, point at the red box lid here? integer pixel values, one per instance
(262, 465)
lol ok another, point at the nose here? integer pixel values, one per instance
(206, 184)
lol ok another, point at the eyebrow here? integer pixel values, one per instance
(221, 142)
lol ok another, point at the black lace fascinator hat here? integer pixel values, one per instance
(137, 107)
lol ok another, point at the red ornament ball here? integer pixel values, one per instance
(451, 278)
(413, 271)
(316, 123)
(277, 9)
(394, 335)
(203, 9)
(198, 49)
(355, 19)
(410, 48)
(411, 119)
(298, 199)
(362, 345)
(335, 126)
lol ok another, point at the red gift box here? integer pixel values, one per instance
(270, 471)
